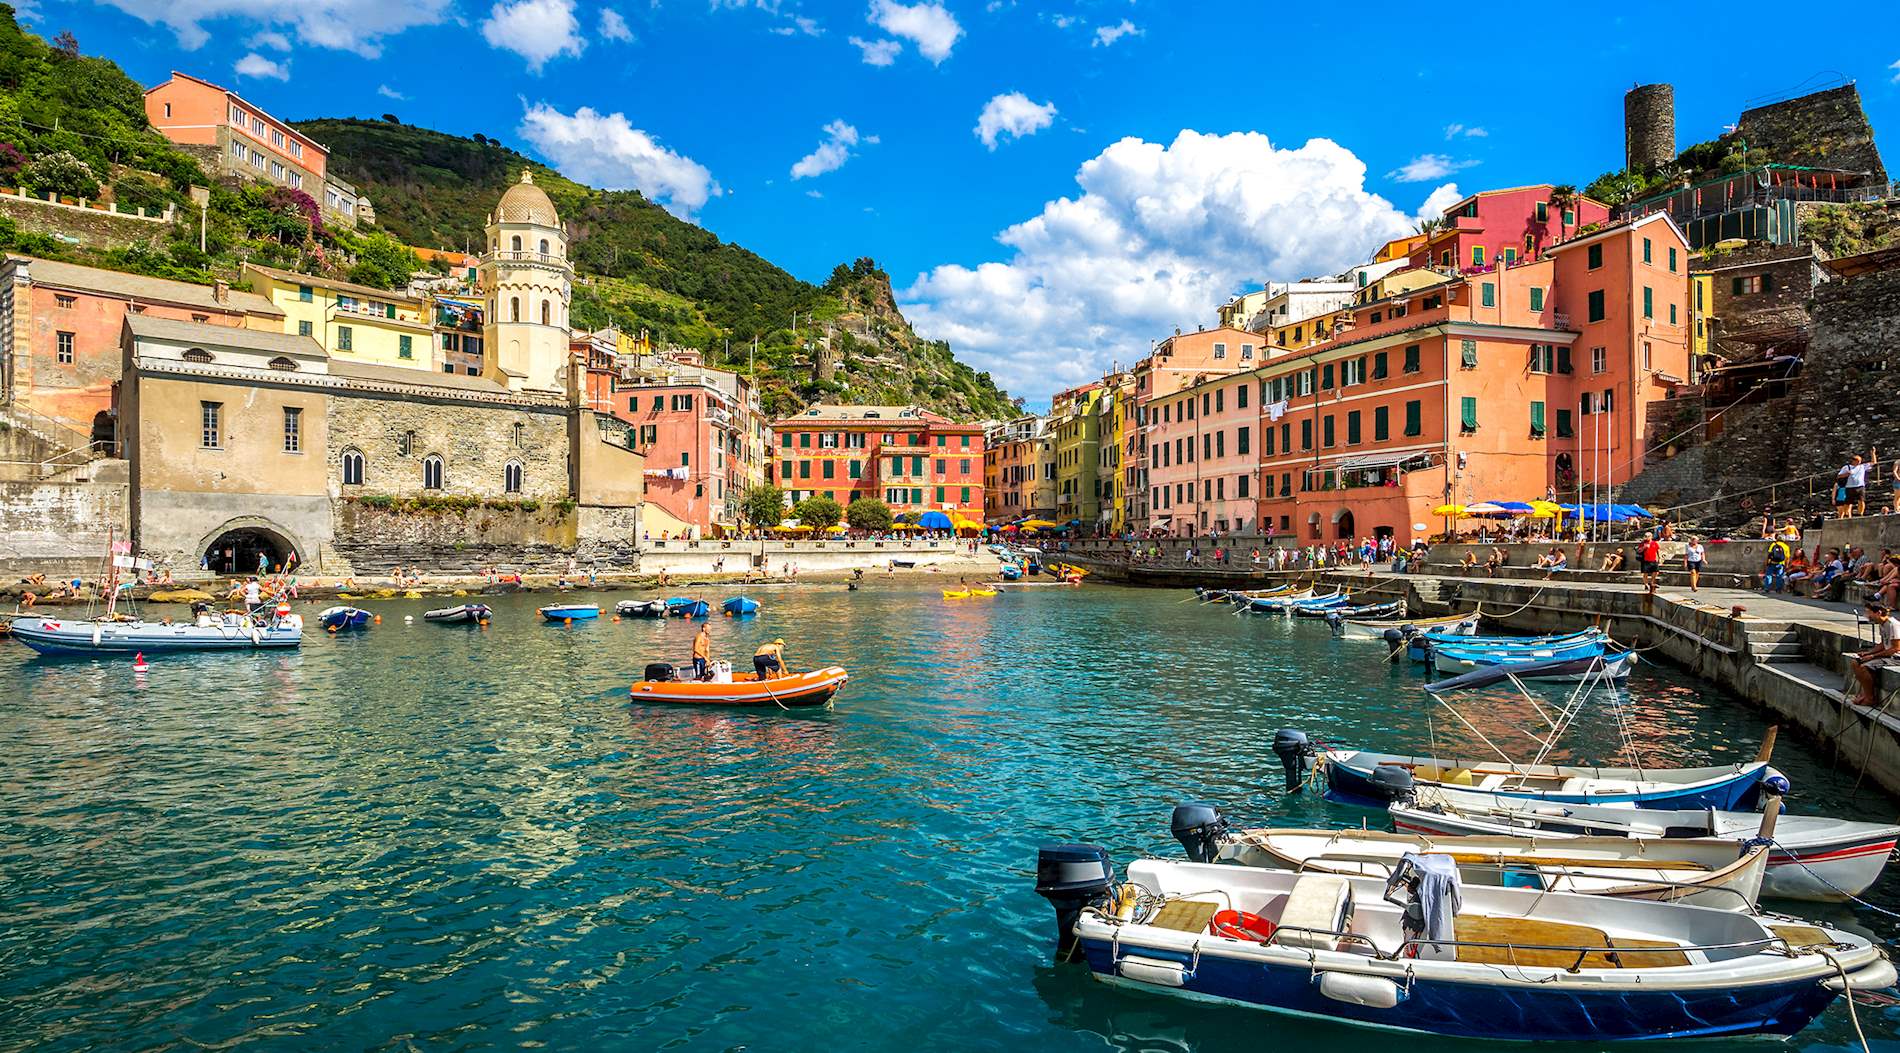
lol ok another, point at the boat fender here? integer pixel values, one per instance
(1154, 971)
(1374, 992)
(1295, 753)
(1392, 783)
(1776, 784)
(1201, 829)
(1874, 976)
(1072, 877)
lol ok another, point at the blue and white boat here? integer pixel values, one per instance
(1280, 603)
(1010, 572)
(682, 607)
(1476, 640)
(231, 631)
(1502, 963)
(570, 612)
(1610, 665)
(1363, 776)
(1319, 605)
(740, 606)
(339, 619)
(1454, 658)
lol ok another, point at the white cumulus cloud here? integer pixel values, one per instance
(612, 26)
(1426, 167)
(1454, 131)
(537, 30)
(1157, 237)
(388, 92)
(1014, 115)
(1438, 201)
(357, 26)
(1106, 36)
(272, 40)
(606, 150)
(257, 66)
(832, 153)
(930, 26)
(878, 52)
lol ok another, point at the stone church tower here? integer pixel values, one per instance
(527, 284)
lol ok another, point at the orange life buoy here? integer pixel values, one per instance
(1241, 925)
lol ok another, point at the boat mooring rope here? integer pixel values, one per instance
(1520, 610)
(1846, 989)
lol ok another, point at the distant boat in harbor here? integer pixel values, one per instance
(570, 612)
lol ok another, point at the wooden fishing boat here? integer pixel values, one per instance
(1320, 606)
(1812, 858)
(810, 690)
(740, 606)
(1708, 874)
(460, 614)
(1382, 777)
(685, 607)
(1611, 666)
(570, 612)
(1462, 624)
(641, 608)
(1509, 964)
(1278, 604)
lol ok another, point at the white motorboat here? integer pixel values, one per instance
(1812, 857)
(1459, 625)
(1493, 963)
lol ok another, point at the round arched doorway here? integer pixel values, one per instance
(1342, 521)
(249, 549)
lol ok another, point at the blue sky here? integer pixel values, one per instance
(1138, 162)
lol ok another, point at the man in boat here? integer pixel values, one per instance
(769, 660)
(1868, 663)
(702, 650)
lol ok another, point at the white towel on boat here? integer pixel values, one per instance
(1435, 878)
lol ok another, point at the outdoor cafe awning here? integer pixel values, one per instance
(1376, 460)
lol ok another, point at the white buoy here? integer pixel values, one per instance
(407, 618)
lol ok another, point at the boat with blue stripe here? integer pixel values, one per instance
(342, 618)
(1355, 775)
(231, 631)
(570, 612)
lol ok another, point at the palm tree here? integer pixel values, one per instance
(1563, 198)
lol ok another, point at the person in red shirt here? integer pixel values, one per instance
(1650, 553)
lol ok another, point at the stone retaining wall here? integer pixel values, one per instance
(88, 225)
(59, 528)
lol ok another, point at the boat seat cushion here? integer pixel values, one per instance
(1321, 902)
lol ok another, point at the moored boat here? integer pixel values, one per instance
(342, 618)
(1490, 963)
(1458, 624)
(686, 607)
(956, 594)
(569, 612)
(641, 608)
(460, 614)
(231, 631)
(740, 606)
(814, 689)
(1812, 857)
(1610, 666)
(1380, 778)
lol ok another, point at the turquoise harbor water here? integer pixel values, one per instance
(430, 837)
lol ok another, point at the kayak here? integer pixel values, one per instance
(956, 594)
(792, 691)
(976, 591)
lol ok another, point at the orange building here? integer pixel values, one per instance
(236, 137)
(912, 459)
(1511, 383)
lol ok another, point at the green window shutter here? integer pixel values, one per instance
(1379, 362)
(1649, 302)
(966, 495)
(1563, 424)
(1537, 419)
(1477, 255)
(1468, 409)
(1543, 211)
(786, 440)
(1596, 306)
(389, 310)
(1672, 314)
(1735, 286)
(1413, 412)
(1468, 353)
(1595, 257)
(857, 470)
(1490, 293)
(1326, 378)
(1411, 358)
(1381, 423)
(1767, 283)
(1569, 217)
(1327, 431)
(1352, 428)
(1563, 358)
(1672, 261)
(1647, 249)
(405, 346)
(1537, 298)
(916, 466)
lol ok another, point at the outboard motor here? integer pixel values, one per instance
(1296, 754)
(1072, 877)
(1201, 829)
(1392, 783)
(1394, 643)
(1336, 623)
(659, 672)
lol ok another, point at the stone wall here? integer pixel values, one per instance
(1649, 127)
(1849, 399)
(90, 226)
(1790, 274)
(1827, 129)
(59, 528)
(451, 540)
(1746, 450)
(476, 441)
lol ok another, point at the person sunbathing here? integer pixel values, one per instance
(1613, 561)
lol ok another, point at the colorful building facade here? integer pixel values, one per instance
(910, 458)
(1505, 226)
(237, 137)
(353, 323)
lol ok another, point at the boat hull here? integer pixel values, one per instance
(70, 638)
(466, 614)
(641, 608)
(813, 690)
(1729, 789)
(570, 613)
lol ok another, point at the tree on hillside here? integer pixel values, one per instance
(60, 173)
(762, 505)
(869, 514)
(818, 513)
(384, 262)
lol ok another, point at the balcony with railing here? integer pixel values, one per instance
(546, 259)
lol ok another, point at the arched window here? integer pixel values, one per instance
(352, 466)
(432, 472)
(406, 444)
(547, 312)
(544, 246)
(197, 354)
(517, 243)
(514, 308)
(511, 477)
(283, 365)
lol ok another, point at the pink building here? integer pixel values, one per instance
(1203, 458)
(1507, 226)
(1178, 362)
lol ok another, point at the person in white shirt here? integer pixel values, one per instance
(1692, 554)
(1868, 663)
(1851, 482)
(253, 598)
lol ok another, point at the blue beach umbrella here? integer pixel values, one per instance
(934, 521)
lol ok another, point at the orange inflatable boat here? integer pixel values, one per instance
(791, 691)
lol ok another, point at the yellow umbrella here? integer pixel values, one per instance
(1038, 524)
(835, 528)
(905, 526)
(1545, 509)
(1449, 510)
(793, 529)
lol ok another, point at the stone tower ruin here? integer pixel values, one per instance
(1649, 127)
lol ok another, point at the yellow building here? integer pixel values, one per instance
(1306, 332)
(1399, 248)
(1075, 418)
(1701, 306)
(1117, 416)
(354, 323)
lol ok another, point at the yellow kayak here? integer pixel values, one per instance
(982, 592)
(956, 594)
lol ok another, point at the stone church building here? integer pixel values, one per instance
(249, 448)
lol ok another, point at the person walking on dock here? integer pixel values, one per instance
(1692, 555)
(1774, 572)
(1650, 554)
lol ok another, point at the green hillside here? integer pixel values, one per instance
(641, 267)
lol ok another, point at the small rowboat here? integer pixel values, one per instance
(1010, 572)
(740, 606)
(682, 607)
(570, 612)
(813, 690)
(641, 608)
(461, 614)
(1356, 774)
(337, 619)
(1813, 857)
(1458, 624)
(1612, 665)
